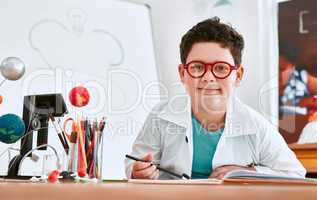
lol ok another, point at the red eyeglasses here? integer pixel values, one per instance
(219, 69)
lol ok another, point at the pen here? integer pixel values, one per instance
(159, 168)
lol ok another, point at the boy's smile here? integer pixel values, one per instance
(211, 89)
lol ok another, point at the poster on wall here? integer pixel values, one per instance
(297, 33)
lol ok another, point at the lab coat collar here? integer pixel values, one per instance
(177, 110)
(238, 120)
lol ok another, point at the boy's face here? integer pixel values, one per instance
(208, 92)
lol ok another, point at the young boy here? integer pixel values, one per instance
(214, 133)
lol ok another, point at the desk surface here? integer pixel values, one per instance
(129, 191)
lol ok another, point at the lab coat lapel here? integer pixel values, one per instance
(178, 111)
(238, 120)
(238, 123)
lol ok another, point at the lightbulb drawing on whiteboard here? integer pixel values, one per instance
(77, 42)
(78, 20)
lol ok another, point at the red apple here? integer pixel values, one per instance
(79, 96)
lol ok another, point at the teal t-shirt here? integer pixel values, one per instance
(204, 147)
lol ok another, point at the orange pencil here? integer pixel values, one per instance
(81, 144)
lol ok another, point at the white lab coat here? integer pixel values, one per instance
(247, 138)
(309, 133)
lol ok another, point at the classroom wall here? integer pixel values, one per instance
(255, 19)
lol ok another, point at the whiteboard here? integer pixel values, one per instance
(105, 45)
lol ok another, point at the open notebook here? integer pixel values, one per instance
(242, 176)
(245, 176)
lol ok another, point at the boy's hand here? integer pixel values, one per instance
(145, 170)
(220, 172)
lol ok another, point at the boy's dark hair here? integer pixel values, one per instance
(212, 30)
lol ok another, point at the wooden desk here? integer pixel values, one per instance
(307, 154)
(128, 191)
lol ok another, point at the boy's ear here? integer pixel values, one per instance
(240, 72)
(181, 72)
